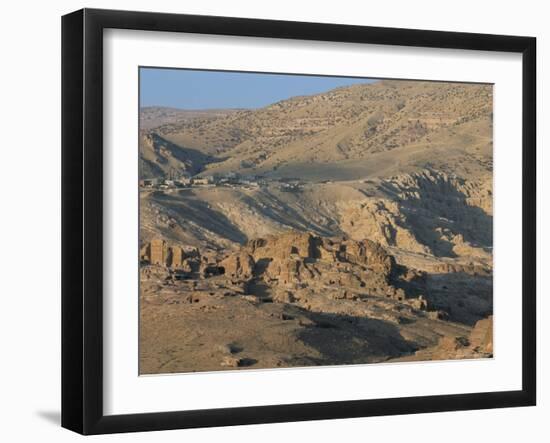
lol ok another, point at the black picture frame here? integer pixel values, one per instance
(82, 218)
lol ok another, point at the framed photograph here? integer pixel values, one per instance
(269, 221)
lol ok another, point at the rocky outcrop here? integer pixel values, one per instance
(303, 263)
(481, 338)
(239, 265)
(159, 252)
(304, 245)
(308, 270)
(478, 344)
(382, 221)
(428, 212)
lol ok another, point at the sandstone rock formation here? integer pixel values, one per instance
(481, 338)
(427, 212)
(238, 266)
(296, 264)
(161, 253)
(382, 221)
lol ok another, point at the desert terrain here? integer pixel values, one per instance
(348, 227)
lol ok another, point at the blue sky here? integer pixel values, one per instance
(190, 89)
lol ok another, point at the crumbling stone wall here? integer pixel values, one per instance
(158, 252)
(176, 257)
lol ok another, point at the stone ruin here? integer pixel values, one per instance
(302, 262)
(159, 252)
(295, 263)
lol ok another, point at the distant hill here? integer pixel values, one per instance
(381, 129)
(154, 116)
(162, 158)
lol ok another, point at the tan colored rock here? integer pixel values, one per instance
(481, 337)
(283, 296)
(239, 265)
(159, 252)
(153, 273)
(231, 362)
(419, 303)
(302, 244)
(145, 252)
(382, 221)
(288, 270)
(453, 344)
(176, 256)
(187, 265)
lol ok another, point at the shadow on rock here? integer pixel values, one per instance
(464, 297)
(346, 339)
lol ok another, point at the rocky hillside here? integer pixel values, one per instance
(426, 212)
(160, 158)
(154, 116)
(334, 130)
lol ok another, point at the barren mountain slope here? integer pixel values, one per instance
(154, 116)
(427, 212)
(162, 158)
(349, 124)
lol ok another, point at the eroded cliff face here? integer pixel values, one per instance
(426, 212)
